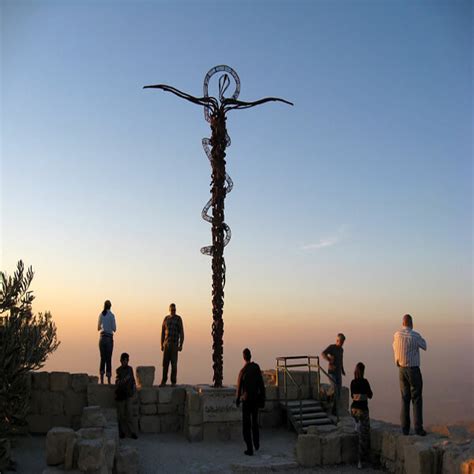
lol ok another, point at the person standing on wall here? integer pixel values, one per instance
(107, 326)
(172, 339)
(406, 350)
(334, 354)
(251, 391)
(360, 393)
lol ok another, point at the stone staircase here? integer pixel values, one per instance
(305, 413)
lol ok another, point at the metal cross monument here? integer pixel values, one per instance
(215, 110)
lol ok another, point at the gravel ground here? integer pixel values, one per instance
(172, 454)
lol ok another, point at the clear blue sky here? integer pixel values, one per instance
(356, 202)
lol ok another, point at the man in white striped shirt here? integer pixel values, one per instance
(406, 350)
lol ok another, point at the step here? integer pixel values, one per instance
(296, 410)
(296, 403)
(310, 416)
(321, 421)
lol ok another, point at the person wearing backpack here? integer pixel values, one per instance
(251, 392)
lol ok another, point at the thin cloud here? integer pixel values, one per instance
(325, 241)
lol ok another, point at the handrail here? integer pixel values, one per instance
(284, 368)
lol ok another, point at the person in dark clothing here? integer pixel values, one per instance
(172, 339)
(124, 390)
(334, 354)
(360, 393)
(251, 391)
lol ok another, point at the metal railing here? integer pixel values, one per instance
(283, 365)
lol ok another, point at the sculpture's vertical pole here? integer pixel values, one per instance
(218, 191)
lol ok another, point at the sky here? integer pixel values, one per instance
(349, 209)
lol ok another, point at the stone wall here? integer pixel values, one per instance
(390, 449)
(202, 412)
(57, 399)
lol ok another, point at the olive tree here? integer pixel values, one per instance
(26, 340)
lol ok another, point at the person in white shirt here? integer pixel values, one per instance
(106, 325)
(406, 350)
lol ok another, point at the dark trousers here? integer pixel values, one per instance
(170, 354)
(125, 417)
(411, 387)
(250, 425)
(336, 383)
(106, 347)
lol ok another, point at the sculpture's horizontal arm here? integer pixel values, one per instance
(231, 104)
(204, 101)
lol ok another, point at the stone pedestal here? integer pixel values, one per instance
(211, 414)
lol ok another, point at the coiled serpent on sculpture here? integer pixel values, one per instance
(224, 83)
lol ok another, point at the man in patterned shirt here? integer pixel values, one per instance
(406, 350)
(172, 338)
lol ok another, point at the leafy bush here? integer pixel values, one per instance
(26, 340)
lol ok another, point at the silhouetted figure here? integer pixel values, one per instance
(334, 354)
(360, 393)
(406, 350)
(172, 338)
(251, 391)
(106, 325)
(124, 390)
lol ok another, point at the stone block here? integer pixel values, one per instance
(403, 441)
(91, 433)
(79, 382)
(93, 379)
(218, 405)
(165, 394)
(92, 417)
(194, 433)
(331, 449)
(76, 422)
(165, 408)
(349, 448)
(193, 400)
(419, 458)
(222, 431)
(56, 441)
(343, 403)
(110, 415)
(71, 453)
(170, 423)
(291, 392)
(74, 402)
(40, 380)
(148, 409)
(52, 403)
(59, 381)
(308, 450)
(149, 424)
(126, 460)
(389, 445)
(271, 419)
(39, 424)
(61, 420)
(178, 395)
(145, 376)
(35, 402)
(101, 395)
(110, 450)
(91, 454)
(147, 395)
(376, 438)
(193, 417)
(272, 393)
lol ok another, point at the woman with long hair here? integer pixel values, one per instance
(106, 325)
(360, 393)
